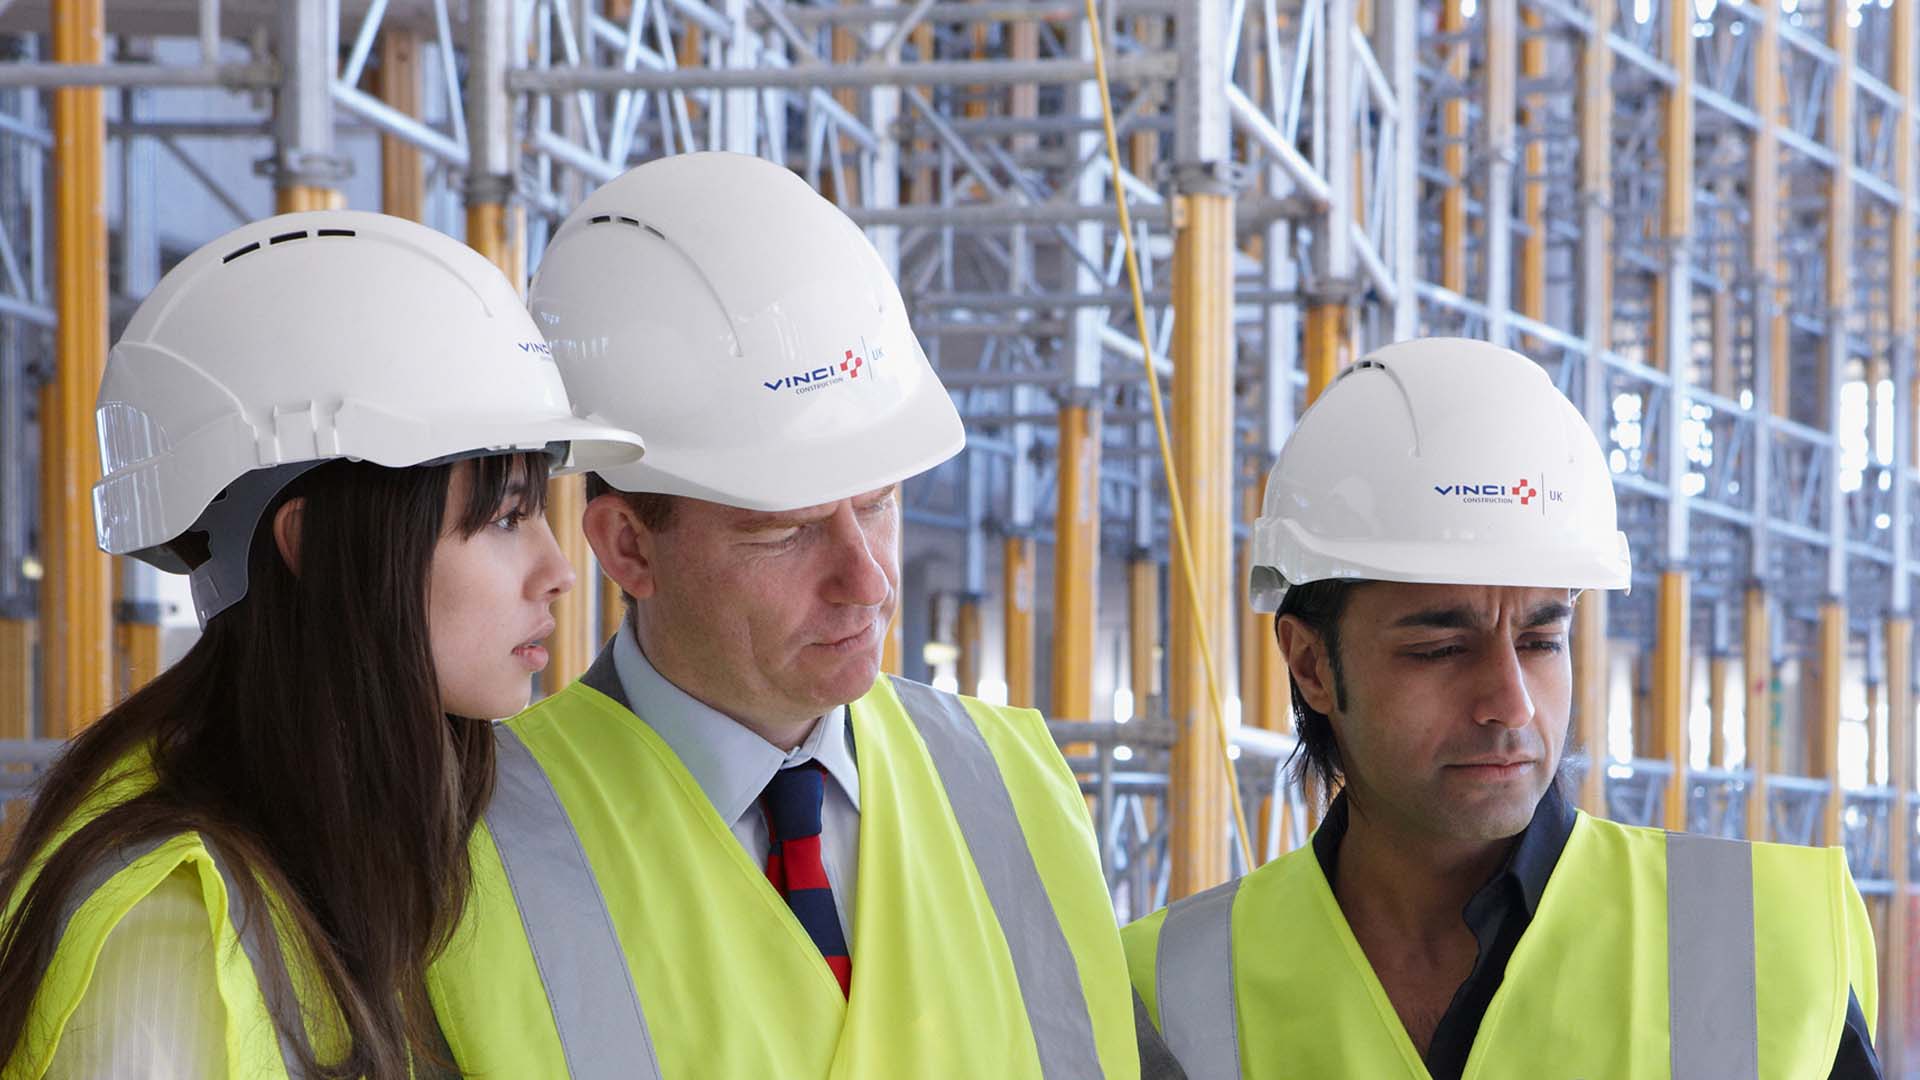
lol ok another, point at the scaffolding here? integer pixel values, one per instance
(1697, 215)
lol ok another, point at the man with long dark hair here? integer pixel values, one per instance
(733, 850)
(1425, 535)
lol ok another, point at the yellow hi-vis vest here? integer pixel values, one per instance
(1651, 955)
(618, 929)
(252, 960)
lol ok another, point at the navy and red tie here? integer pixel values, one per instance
(792, 805)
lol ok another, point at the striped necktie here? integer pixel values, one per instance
(792, 805)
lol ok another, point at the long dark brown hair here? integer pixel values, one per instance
(303, 736)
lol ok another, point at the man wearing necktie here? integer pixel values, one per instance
(733, 848)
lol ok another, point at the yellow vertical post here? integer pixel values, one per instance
(137, 643)
(613, 607)
(1076, 561)
(1023, 98)
(1757, 662)
(967, 665)
(1017, 634)
(1718, 671)
(1203, 454)
(1769, 101)
(1840, 255)
(892, 649)
(1672, 654)
(1840, 207)
(1264, 699)
(1590, 659)
(16, 676)
(693, 54)
(1896, 982)
(1826, 744)
(76, 594)
(920, 188)
(570, 648)
(1144, 149)
(1592, 655)
(498, 231)
(1326, 345)
(1453, 123)
(1143, 631)
(1646, 743)
(1260, 670)
(975, 107)
(403, 189)
(1533, 192)
(1898, 955)
(296, 198)
(1669, 703)
(17, 635)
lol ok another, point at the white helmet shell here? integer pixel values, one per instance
(719, 306)
(312, 336)
(1446, 461)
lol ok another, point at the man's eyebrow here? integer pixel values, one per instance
(1462, 618)
(1453, 618)
(785, 519)
(1547, 614)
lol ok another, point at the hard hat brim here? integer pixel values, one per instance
(834, 468)
(1295, 558)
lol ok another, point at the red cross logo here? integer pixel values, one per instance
(853, 371)
(1525, 492)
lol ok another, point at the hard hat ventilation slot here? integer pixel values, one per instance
(608, 219)
(283, 238)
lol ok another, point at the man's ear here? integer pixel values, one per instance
(286, 532)
(1308, 661)
(623, 546)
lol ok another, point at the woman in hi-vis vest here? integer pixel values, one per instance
(340, 426)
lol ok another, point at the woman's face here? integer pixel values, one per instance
(489, 597)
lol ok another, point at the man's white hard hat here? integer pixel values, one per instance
(716, 304)
(1440, 460)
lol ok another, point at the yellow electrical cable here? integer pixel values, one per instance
(1183, 550)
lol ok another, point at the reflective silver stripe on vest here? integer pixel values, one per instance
(582, 966)
(257, 938)
(1043, 963)
(1712, 998)
(1193, 983)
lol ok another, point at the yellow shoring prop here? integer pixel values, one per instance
(1183, 548)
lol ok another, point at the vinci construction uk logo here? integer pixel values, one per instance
(856, 363)
(1522, 492)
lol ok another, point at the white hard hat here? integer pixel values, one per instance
(307, 337)
(1440, 460)
(716, 304)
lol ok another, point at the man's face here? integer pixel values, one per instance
(775, 617)
(1457, 702)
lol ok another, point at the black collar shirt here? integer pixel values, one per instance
(1500, 912)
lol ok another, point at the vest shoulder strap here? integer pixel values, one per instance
(1043, 962)
(1193, 983)
(596, 1010)
(1712, 995)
